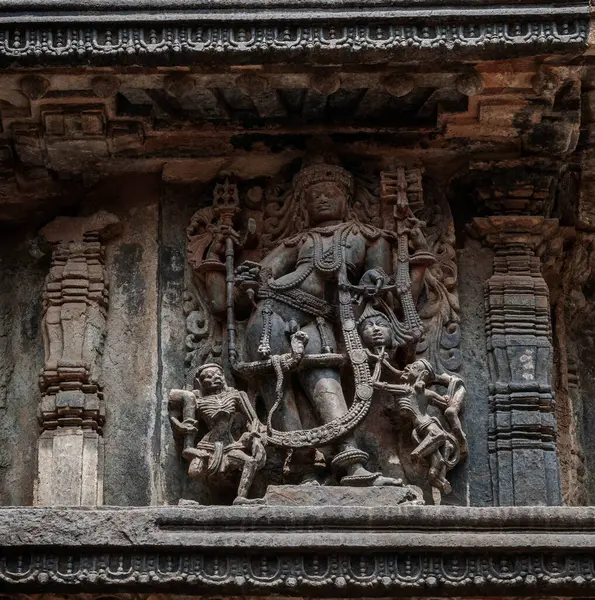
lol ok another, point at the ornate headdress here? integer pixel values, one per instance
(321, 172)
(202, 368)
(371, 312)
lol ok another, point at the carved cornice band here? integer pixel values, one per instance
(34, 44)
(508, 551)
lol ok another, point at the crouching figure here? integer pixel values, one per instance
(217, 454)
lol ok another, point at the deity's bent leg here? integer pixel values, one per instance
(286, 417)
(452, 416)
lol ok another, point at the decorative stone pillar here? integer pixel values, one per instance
(71, 413)
(522, 425)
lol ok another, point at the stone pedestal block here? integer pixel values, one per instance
(306, 495)
(70, 467)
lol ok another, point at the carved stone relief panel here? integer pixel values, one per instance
(322, 338)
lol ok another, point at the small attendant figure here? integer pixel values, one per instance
(217, 454)
(443, 447)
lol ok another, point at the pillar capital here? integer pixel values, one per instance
(514, 230)
(102, 224)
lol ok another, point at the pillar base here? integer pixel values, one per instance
(69, 468)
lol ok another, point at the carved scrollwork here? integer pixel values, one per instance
(440, 310)
(203, 336)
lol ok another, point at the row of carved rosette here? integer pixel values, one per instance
(522, 423)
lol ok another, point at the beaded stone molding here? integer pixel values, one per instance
(32, 44)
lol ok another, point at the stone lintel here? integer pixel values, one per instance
(429, 528)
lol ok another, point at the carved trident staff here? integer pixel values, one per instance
(393, 191)
(226, 203)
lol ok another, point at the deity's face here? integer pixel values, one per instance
(325, 201)
(212, 380)
(376, 332)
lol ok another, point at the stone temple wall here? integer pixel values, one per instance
(146, 349)
(296, 299)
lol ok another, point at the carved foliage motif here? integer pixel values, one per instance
(440, 313)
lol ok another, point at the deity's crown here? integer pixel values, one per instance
(320, 172)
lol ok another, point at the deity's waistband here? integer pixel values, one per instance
(301, 300)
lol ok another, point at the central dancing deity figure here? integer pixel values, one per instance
(301, 297)
(310, 284)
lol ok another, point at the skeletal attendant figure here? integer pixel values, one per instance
(218, 453)
(442, 448)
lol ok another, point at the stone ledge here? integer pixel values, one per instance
(267, 527)
(381, 12)
(365, 552)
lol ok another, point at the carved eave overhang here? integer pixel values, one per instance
(152, 32)
(360, 552)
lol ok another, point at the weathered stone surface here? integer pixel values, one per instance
(179, 85)
(323, 527)
(34, 86)
(22, 277)
(304, 495)
(187, 91)
(131, 351)
(105, 86)
(72, 229)
(470, 84)
(475, 267)
(326, 552)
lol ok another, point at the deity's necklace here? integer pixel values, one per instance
(329, 261)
